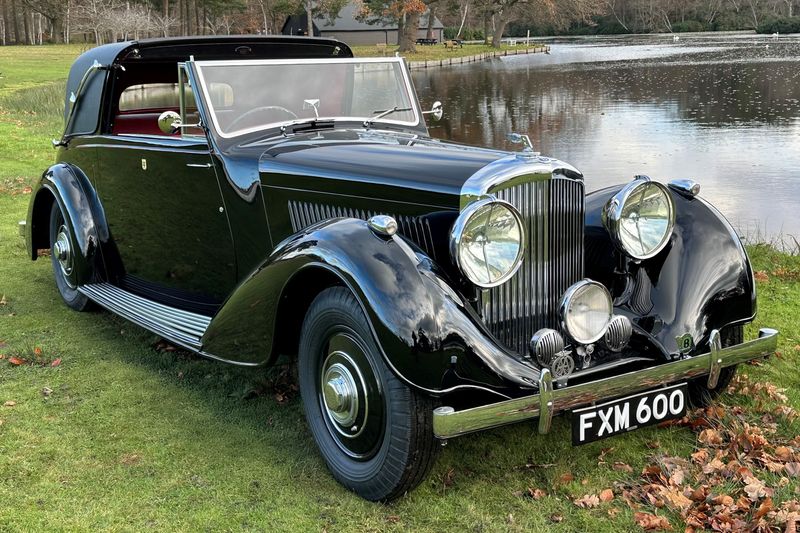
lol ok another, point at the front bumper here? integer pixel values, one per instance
(448, 423)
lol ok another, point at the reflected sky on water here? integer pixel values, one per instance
(722, 109)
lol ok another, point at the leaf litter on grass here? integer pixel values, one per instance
(729, 482)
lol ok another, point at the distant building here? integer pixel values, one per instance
(346, 28)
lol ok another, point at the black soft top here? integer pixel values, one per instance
(213, 47)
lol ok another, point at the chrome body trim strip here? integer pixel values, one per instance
(448, 423)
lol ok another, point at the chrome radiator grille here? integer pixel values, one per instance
(553, 211)
(416, 229)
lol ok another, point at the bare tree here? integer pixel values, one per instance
(163, 24)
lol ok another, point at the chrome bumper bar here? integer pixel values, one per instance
(448, 423)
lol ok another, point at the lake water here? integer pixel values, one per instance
(721, 109)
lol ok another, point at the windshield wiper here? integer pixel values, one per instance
(305, 125)
(384, 113)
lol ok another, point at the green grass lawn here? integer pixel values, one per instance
(122, 436)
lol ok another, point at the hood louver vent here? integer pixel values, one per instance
(416, 229)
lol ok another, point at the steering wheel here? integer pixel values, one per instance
(246, 114)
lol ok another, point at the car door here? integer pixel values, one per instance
(167, 218)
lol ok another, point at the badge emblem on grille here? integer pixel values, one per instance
(562, 365)
(685, 343)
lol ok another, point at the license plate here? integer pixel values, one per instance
(626, 414)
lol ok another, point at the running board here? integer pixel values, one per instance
(175, 325)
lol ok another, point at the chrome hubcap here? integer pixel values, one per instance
(340, 394)
(350, 397)
(62, 250)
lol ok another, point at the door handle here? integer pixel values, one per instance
(199, 165)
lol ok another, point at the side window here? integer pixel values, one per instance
(85, 115)
(154, 97)
(140, 105)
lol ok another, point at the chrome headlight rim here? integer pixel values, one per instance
(457, 233)
(564, 305)
(612, 216)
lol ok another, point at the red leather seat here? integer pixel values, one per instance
(139, 122)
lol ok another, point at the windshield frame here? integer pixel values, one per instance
(214, 124)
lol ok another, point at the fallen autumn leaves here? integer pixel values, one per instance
(726, 484)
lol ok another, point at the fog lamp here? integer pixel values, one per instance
(585, 311)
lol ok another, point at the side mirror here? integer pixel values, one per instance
(169, 122)
(436, 111)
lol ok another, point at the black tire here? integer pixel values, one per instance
(376, 437)
(64, 266)
(699, 393)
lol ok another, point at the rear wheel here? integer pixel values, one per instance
(699, 393)
(374, 432)
(62, 255)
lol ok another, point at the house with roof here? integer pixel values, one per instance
(354, 32)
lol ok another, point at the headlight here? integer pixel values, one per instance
(487, 242)
(585, 311)
(640, 218)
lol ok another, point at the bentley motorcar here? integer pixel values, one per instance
(250, 197)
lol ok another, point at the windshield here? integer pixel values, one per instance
(246, 96)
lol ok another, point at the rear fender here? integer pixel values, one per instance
(69, 186)
(701, 281)
(427, 334)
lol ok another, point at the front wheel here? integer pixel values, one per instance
(374, 432)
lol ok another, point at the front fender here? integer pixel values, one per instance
(428, 336)
(701, 281)
(69, 186)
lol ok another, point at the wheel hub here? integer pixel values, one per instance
(62, 250)
(350, 397)
(340, 394)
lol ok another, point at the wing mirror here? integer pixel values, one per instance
(169, 122)
(436, 111)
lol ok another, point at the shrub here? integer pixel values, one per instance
(467, 34)
(780, 25)
(689, 25)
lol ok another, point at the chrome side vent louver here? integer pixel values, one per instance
(553, 210)
(416, 229)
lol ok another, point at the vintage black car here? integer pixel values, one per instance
(245, 197)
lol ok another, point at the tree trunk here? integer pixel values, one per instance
(264, 15)
(486, 28)
(497, 36)
(407, 33)
(431, 18)
(10, 17)
(26, 24)
(463, 20)
(67, 14)
(309, 19)
(58, 28)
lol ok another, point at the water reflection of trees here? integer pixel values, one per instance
(485, 101)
